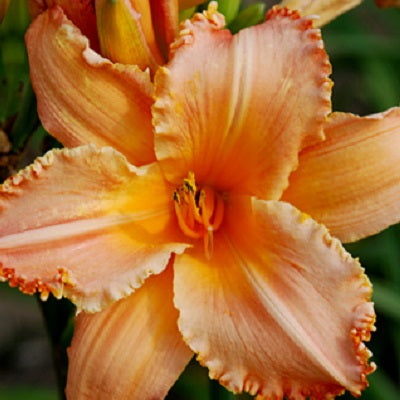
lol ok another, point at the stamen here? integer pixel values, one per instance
(219, 213)
(183, 225)
(199, 212)
(209, 243)
(206, 203)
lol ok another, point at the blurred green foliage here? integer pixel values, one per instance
(248, 16)
(364, 48)
(27, 393)
(14, 72)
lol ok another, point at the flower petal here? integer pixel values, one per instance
(165, 16)
(126, 33)
(131, 350)
(85, 224)
(248, 103)
(290, 308)
(327, 10)
(83, 98)
(80, 12)
(351, 181)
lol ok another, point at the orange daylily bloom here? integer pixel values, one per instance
(186, 236)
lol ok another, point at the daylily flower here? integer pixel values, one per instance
(186, 237)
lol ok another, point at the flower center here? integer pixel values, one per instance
(199, 211)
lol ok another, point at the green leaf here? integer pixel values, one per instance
(16, 20)
(387, 300)
(382, 92)
(230, 8)
(359, 45)
(382, 387)
(31, 393)
(13, 74)
(13, 59)
(186, 14)
(250, 16)
(389, 251)
(3, 9)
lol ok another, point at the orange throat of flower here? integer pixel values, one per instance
(199, 211)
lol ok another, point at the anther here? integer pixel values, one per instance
(199, 212)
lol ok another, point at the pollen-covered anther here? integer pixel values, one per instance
(199, 211)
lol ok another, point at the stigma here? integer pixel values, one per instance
(199, 211)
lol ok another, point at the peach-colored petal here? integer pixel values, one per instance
(165, 16)
(131, 350)
(83, 98)
(387, 3)
(280, 309)
(327, 10)
(80, 12)
(248, 103)
(126, 33)
(351, 181)
(85, 224)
